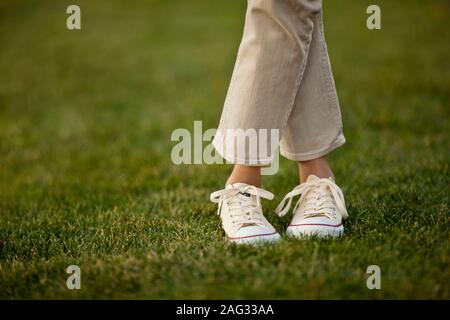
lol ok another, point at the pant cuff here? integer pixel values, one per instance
(233, 159)
(314, 154)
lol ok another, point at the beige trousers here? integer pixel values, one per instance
(282, 82)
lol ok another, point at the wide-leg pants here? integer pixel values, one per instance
(282, 81)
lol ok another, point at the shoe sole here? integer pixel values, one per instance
(257, 239)
(318, 230)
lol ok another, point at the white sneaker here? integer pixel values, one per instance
(241, 214)
(320, 211)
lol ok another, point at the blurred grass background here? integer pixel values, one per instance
(86, 177)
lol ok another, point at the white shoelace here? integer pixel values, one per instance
(242, 209)
(319, 201)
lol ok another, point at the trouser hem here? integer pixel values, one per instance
(232, 159)
(314, 154)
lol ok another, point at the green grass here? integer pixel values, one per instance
(86, 176)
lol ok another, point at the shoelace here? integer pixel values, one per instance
(319, 202)
(243, 211)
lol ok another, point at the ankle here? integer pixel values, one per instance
(251, 180)
(245, 174)
(318, 167)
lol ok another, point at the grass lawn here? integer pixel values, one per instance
(86, 176)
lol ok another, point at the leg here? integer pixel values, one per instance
(318, 167)
(245, 174)
(314, 129)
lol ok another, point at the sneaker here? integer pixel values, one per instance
(241, 214)
(320, 211)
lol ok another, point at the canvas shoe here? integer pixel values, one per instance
(241, 214)
(320, 211)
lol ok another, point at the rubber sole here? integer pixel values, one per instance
(318, 230)
(257, 239)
